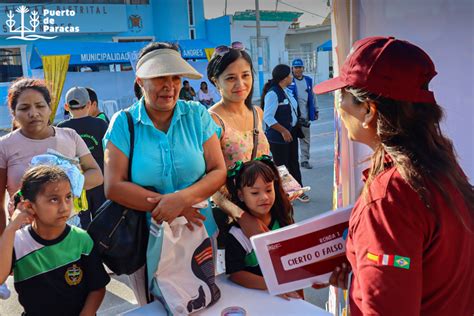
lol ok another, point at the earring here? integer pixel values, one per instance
(365, 125)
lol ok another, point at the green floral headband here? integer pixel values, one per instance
(237, 167)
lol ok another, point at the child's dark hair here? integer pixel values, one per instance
(34, 179)
(282, 210)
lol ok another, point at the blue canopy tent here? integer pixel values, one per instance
(325, 47)
(86, 53)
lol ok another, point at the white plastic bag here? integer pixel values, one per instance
(290, 185)
(181, 266)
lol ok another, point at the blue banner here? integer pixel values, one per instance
(86, 53)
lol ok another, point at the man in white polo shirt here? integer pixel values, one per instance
(307, 110)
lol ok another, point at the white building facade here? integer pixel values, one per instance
(304, 43)
(273, 26)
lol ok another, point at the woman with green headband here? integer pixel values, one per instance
(255, 186)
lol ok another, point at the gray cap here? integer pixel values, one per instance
(77, 97)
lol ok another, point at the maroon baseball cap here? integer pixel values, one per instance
(388, 67)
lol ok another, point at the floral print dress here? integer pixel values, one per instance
(237, 145)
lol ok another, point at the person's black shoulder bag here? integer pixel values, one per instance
(120, 233)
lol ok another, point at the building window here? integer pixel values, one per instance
(192, 33)
(265, 52)
(191, 12)
(10, 64)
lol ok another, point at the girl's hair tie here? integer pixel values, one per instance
(235, 169)
(264, 158)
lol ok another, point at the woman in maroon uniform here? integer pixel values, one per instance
(411, 241)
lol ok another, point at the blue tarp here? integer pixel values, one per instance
(87, 53)
(325, 47)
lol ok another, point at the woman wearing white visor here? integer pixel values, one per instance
(176, 152)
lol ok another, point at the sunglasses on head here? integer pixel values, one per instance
(223, 49)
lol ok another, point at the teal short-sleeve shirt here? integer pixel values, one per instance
(169, 161)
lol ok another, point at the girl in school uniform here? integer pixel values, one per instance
(255, 186)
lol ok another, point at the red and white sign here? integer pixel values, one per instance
(296, 256)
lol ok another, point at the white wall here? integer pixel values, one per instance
(116, 86)
(294, 39)
(243, 31)
(322, 71)
(444, 29)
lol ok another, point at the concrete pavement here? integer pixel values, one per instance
(320, 178)
(120, 298)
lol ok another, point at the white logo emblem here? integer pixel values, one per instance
(22, 29)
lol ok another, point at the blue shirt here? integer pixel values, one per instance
(169, 161)
(271, 106)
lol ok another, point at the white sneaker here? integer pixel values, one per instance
(303, 198)
(4, 292)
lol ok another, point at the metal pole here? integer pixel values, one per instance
(259, 48)
(225, 8)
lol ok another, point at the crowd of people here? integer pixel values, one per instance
(204, 96)
(416, 203)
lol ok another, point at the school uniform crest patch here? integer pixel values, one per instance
(73, 275)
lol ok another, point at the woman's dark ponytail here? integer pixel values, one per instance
(279, 73)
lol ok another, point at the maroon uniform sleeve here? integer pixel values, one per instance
(388, 241)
